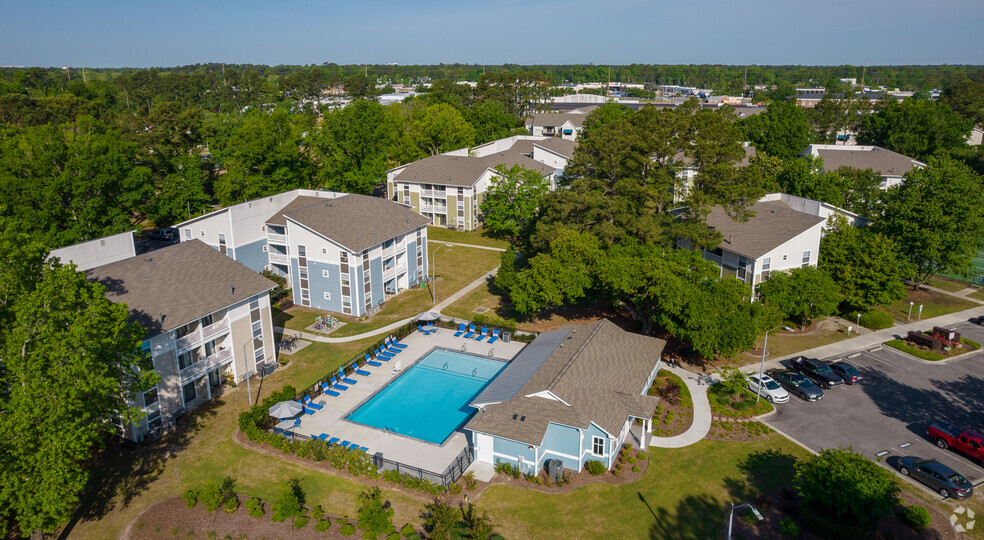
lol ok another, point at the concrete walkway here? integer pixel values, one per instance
(697, 384)
(470, 246)
(398, 324)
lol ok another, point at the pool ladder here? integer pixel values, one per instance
(464, 347)
(475, 372)
(445, 368)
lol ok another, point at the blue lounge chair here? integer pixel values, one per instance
(344, 443)
(354, 446)
(381, 352)
(383, 357)
(364, 448)
(281, 432)
(333, 441)
(390, 350)
(461, 330)
(483, 335)
(327, 390)
(297, 423)
(355, 368)
(394, 343)
(323, 437)
(432, 327)
(423, 330)
(371, 362)
(471, 331)
(336, 384)
(344, 379)
(310, 403)
(495, 337)
(309, 411)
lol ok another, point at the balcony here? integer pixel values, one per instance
(278, 258)
(215, 329)
(277, 238)
(199, 368)
(434, 209)
(389, 252)
(188, 340)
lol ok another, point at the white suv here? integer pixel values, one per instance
(771, 390)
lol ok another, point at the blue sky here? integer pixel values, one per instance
(106, 33)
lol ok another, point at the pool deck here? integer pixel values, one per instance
(406, 450)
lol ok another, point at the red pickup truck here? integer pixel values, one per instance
(947, 436)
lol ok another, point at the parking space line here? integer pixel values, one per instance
(905, 445)
(855, 355)
(876, 349)
(883, 453)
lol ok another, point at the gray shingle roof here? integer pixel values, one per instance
(511, 158)
(598, 372)
(557, 145)
(884, 162)
(774, 224)
(556, 119)
(444, 170)
(356, 222)
(182, 282)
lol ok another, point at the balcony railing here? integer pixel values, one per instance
(188, 340)
(278, 238)
(432, 208)
(389, 251)
(219, 358)
(278, 258)
(215, 329)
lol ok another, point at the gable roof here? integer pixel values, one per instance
(444, 170)
(172, 286)
(556, 119)
(562, 147)
(356, 222)
(882, 161)
(511, 158)
(774, 224)
(597, 371)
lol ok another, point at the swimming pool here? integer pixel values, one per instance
(430, 400)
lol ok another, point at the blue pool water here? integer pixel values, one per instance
(430, 400)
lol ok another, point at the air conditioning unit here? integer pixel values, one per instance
(555, 469)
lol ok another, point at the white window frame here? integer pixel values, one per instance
(597, 442)
(327, 295)
(324, 273)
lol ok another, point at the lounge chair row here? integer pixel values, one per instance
(469, 333)
(335, 441)
(341, 382)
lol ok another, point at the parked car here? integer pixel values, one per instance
(846, 371)
(967, 442)
(797, 384)
(978, 320)
(817, 370)
(939, 477)
(769, 388)
(167, 235)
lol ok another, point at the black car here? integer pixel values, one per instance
(817, 370)
(849, 373)
(797, 384)
(167, 235)
(936, 475)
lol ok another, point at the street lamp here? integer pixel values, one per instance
(249, 391)
(434, 270)
(758, 393)
(907, 317)
(758, 515)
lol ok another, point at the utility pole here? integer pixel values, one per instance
(83, 73)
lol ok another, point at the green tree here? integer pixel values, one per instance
(290, 502)
(510, 206)
(936, 217)
(441, 521)
(359, 87)
(375, 515)
(848, 486)
(916, 128)
(478, 524)
(802, 294)
(491, 121)
(441, 128)
(733, 380)
(71, 359)
(181, 195)
(966, 98)
(866, 265)
(352, 147)
(781, 131)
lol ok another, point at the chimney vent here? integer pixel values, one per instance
(232, 290)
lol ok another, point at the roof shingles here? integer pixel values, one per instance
(774, 224)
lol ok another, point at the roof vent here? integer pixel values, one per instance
(232, 290)
(515, 416)
(160, 315)
(522, 418)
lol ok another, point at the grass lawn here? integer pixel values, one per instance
(439, 235)
(684, 494)
(747, 405)
(946, 284)
(132, 480)
(979, 295)
(934, 304)
(783, 342)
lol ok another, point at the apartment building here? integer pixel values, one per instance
(207, 319)
(891, 166)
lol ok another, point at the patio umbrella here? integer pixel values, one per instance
(428, 316)
(285, 409)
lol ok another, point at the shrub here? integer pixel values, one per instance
(917, 517)
(408, 530)
(255, 508)
(641, 455)
(231, 504)
(290, 503)
(322, 525)
(636, 469)
(301, 521)
(470, 481)
(595, 467)
(456, 488)
(875, 319)
(789, 527)
(348, 529)
(213, 493)
(375, 515)
(632, 461)
(191, 498)
(317, 513)
(906, 347)
(393, 536)
(481, 319)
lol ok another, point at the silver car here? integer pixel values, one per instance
(770, 389)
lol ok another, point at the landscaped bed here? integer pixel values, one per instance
(723, 430)
(675, 412)
(920, 351)
(740, 405)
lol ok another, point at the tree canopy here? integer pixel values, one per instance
(802, 294)
(866, 265)
(781, 131)
(915, 128)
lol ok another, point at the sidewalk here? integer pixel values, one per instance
(697, 384)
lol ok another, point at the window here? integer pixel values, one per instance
(185, 360)
(766, 263)
(305, 294)
(784, 257)
(207, 320)
(327, 296)
(806, 258)
(150, 397)
(324, 251)
(346, 302)
(324, 273)
(187, 234)
(145, 348)
(182, 331)
(718, 251)
(303, 272)
(742, 264)
(154, 419)
(597, 446)
(345, 280)
(221, 239)
(188, 391)
(254, 303)
(262, 228)
(203, 232)
(301, 251)
(257, 329)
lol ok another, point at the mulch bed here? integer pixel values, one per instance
(737, 429)
(785, 502)
(675, 413)
(171, 518)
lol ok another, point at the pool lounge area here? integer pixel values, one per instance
(408, 448)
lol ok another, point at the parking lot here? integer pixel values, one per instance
(887, 415)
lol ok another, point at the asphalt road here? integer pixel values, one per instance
(889, 412)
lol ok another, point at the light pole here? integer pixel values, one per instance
(249, 391)
(909, 316)
(758, 393)
(434, 270)
(920, 312)
(731, 518)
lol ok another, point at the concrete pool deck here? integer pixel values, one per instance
(414, 452)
